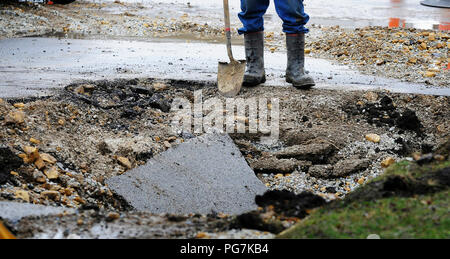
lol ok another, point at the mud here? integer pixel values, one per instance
(384, 113)
(8, 162)
(107, 95)
(288, 204)
(276, 207)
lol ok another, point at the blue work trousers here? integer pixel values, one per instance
(290, 11)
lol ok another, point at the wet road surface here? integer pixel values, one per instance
(345, 13)
(38, 66)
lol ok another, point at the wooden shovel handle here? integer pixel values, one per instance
(226, 10)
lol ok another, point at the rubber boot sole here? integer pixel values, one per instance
(254, 82)
(304, 86)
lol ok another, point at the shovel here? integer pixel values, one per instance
(231, 75)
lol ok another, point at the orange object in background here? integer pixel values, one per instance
(4, 233)
(444, 26)
(396, 23)
(401, 23)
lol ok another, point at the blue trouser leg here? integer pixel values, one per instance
(252, 15)
(292, 13)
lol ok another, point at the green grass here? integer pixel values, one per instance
(419, 216)
(411, 169)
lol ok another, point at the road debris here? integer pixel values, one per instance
(373, 138)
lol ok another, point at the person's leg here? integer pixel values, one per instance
(294, 21)
(253, 30)
(252, 15)
(292, 12)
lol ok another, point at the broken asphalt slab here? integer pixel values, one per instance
(204, 175)
(14, 211)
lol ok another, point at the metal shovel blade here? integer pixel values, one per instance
(230, 77)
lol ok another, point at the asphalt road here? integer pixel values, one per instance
(39, 66)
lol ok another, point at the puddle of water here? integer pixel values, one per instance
(346, 13)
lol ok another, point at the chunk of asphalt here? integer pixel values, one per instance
(203, 175)
(14, 211)
(273, 165)
(316, 152)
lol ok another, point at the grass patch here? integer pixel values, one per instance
(424, 216)
(411, 169)
(408, 201)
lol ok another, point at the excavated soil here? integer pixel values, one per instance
(322, 154)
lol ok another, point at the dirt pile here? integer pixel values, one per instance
(384, 113)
